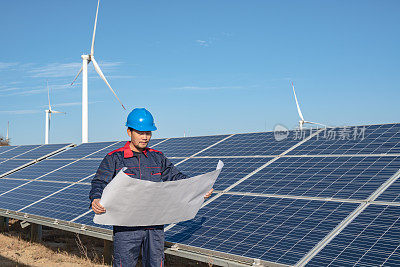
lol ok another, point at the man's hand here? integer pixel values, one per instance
(208, 194)
(97, 207)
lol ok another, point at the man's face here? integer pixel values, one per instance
(139, 139)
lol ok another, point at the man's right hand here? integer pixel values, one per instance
(97, 207)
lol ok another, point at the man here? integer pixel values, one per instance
(142, 163)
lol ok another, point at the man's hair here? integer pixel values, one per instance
(130, 129)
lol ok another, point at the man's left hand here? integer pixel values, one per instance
(208, 194)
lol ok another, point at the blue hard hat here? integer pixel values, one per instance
(141, 119)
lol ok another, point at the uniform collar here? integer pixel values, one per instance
(128, 153)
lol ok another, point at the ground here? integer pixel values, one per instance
(59, 248)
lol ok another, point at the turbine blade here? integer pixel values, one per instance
(54, 111)
(76, 77)
(94, 30)
(297, 103)
(98, 70)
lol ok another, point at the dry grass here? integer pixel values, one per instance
(58, 248)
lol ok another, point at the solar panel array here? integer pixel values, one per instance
(320, 197)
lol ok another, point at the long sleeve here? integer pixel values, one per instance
(170, 172)
(105, 173)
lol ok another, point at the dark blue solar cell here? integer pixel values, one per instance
(30, 192)
(392, 193)
(38, 169)
(252, 144)
(74, 172)
(338, 177)
(271, 229)
(12, 164)
(65, 205)
(41, 151)
(369, 139)
(187, 146)
(234, 168)
(82, 150)
(18, 151)
(371, 239)
(7, 184)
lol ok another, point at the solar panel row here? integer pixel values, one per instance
(274, 229)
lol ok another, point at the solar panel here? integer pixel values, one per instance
(27, 194)
(271, 229)
(74, 172)
(369, 139)
(6, 184)
(6, 148)
(338, 177)
(234, 168)
(82, 150)
(41, 151)
(371, 239)
(12, 164)
(252, 144)
(187, 146)
(64, 205)
(17, 151)
(41, 168)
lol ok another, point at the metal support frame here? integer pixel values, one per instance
(215, 257)
(4, 224)
(36, 232)
(108, 251)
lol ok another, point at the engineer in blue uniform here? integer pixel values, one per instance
(142, 163)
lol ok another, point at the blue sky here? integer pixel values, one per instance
(204, 67)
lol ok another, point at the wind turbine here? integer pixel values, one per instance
(48, 117)
(86, 59)
(302, 121)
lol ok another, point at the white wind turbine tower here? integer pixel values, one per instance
(8, 129)
(48, 117)
(302, 121)
(86, 59)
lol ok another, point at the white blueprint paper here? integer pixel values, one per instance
(134, 202)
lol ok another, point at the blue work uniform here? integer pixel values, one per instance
(150, 165)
